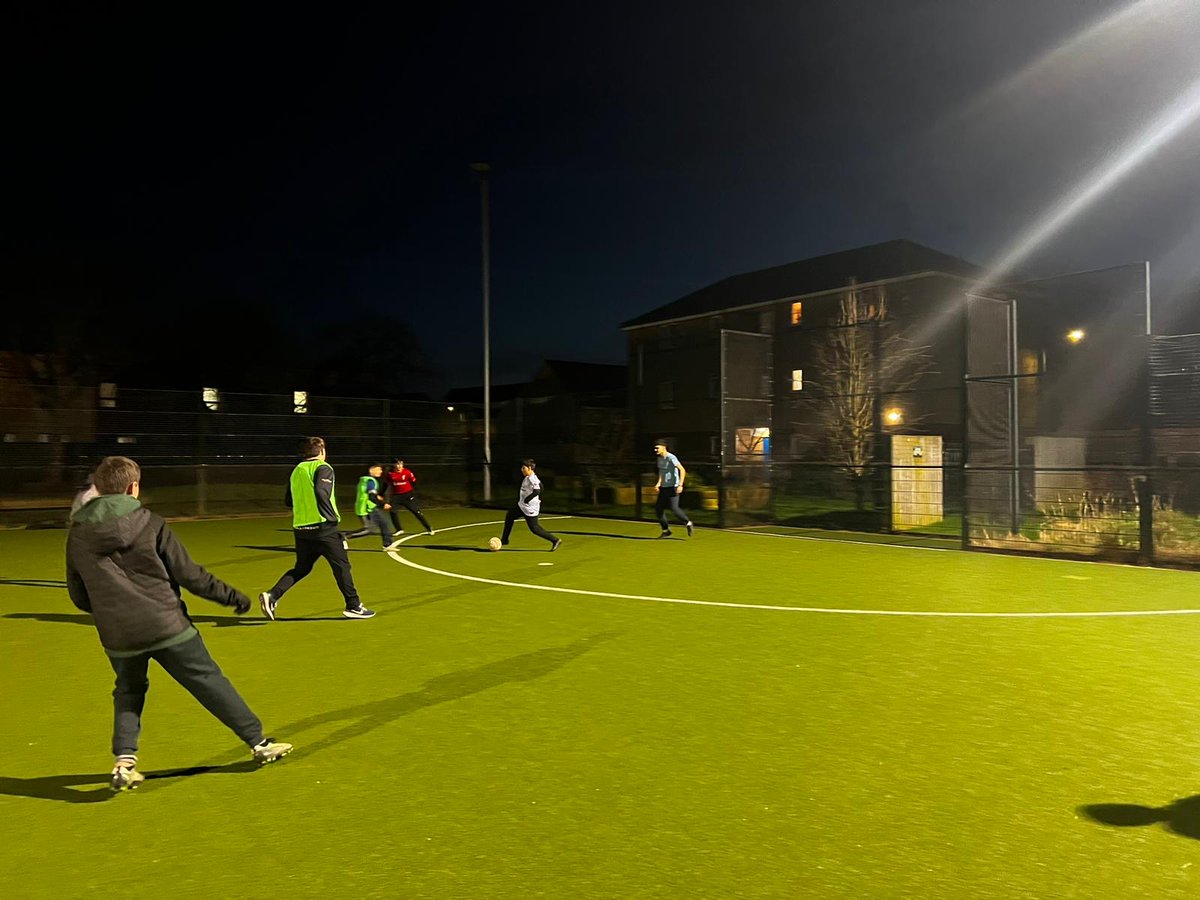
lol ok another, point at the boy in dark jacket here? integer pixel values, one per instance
(125, 567)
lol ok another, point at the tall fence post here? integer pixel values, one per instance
(1144, 488)
(202, 489)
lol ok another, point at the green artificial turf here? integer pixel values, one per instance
(483, 740)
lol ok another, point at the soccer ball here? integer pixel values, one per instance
(494, 544)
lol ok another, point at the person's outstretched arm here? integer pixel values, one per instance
(186, 572)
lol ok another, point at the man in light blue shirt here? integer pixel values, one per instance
(671, 474)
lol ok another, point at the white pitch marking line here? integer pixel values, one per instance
(926, 614)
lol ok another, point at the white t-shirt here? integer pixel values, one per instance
(534, 506)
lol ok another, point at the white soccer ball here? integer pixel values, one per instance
(494, 543)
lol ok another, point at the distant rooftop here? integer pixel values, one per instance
(877, 262)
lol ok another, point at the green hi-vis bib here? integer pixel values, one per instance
(362, 500)
(304, 494)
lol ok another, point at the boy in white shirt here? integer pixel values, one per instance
(529, 505)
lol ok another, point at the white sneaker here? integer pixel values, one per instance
(269, 750)
(125, 776)
(398, 533)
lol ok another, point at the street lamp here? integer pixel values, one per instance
(483, 171)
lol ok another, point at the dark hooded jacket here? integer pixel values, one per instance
(125, 567)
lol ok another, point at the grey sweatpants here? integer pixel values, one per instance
(191, 665)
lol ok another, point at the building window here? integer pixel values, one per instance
(300, 402)
(764, 386)
(714, 446)
(127, 439)
(797, 312)
(766, 321)
(666, 393)
(797, 379)
(211, 398)
(753, 444)
(714, 387)
(108, 395)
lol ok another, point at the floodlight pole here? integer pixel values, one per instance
(483, 170)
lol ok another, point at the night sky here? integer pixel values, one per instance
(313, 167)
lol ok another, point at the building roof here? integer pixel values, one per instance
(500, 393)
(568, 377)
(584, 377)
(877, 262)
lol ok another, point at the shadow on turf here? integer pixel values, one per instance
(600, 534)
(33, 582)
(363, 718)
(460, 548)
(85, 619)
(1181, 816)
(66, 788)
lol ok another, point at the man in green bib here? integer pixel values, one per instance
(315, 526)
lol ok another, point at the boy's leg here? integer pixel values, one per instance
(536, 527)
(660, 507)
(307, 553)
(129, 698)
(380, 518)
(509, 518)
(678, 511)
(395, 515)
(410, 503)
(331, 548)
(362, 532)
(197, 672)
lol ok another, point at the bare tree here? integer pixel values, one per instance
(864, 356)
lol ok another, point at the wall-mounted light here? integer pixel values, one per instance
(894, 416)
(1075, 335)
(449, 409)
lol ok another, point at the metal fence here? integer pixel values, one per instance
(213, 453)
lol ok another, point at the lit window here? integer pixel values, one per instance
(300, 402)
(752, 444)
(126, 439)
(108, 395)
(797, 379)
(797, 312)
(212, 399)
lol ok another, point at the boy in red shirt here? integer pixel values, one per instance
(402, 491)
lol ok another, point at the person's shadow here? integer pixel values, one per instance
(83, 788)
(1180, 816)
(615, 537)
(34, 582)
(82, 618)
(359, 719)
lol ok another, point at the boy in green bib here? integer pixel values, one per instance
(370, 506)
(315, 527)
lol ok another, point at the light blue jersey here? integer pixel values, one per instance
(668, 470)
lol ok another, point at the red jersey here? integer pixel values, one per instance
(402, 482)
